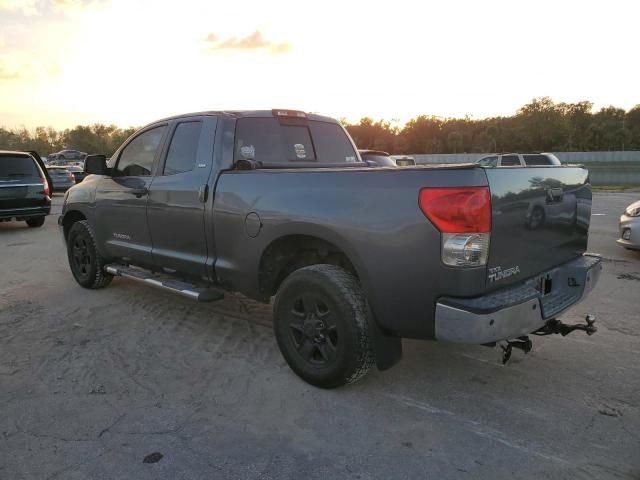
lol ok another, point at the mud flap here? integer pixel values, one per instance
(387, 348)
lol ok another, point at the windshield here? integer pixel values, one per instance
(269, 141)
(12, 168)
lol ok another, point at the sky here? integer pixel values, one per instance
(130, 62)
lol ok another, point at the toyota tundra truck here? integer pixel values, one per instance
(278, 206)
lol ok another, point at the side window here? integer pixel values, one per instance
(534, 160)
(489, 162)
(183, 148)
(137, 157)
(510, 161)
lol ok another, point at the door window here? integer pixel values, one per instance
(510, 161)
(183, 149)
(137, 157)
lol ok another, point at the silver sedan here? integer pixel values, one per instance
(630, 227)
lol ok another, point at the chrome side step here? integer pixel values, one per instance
(185, 289)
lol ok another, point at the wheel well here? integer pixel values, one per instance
(69, 219)
(292, 252)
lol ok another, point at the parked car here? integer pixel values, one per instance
(377, 158)
(61, 178)
(78, 173)
(24, 190)
(630, 227)
(279, 204)
(519, 160)
(68, 155)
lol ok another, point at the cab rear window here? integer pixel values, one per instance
(12, 168)
(268, 141)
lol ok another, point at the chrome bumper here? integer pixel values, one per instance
(516, 311)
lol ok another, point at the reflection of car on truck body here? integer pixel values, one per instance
(279, 204)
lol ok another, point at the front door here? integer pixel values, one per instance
(177, 196)
(121, 198)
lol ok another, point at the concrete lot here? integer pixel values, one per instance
(91, 382)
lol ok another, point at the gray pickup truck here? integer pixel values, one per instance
(279, 204)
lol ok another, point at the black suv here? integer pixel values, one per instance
(24, 189)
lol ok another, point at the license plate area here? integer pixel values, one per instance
(544, 285)
(13, 192)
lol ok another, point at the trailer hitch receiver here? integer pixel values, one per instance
(521, 343)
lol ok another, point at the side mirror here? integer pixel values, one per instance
(96, 165)
(371, 163)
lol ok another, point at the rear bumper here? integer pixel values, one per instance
(517, 310)
(26, 212)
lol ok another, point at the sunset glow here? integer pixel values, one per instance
(68, 62)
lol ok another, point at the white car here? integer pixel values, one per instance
(630, 227)
(519, 160)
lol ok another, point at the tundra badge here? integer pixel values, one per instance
(497, 273)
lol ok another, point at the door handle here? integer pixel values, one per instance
(203, 192)
(139, 192)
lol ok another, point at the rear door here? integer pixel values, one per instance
(535, 224)
(121, 198)
(177, 197)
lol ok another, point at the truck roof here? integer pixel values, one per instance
(246, 113)
(12, 152)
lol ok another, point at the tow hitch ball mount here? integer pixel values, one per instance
(554, 326)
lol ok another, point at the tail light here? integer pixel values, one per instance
(45, 189)
(463, 215)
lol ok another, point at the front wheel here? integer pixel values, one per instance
(322, 327)
(86, 263)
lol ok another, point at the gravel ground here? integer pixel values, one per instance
(134, 383)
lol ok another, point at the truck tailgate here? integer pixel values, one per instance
(540, 219)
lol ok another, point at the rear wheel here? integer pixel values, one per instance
(321, 325)
(86, 263)
(35, 222)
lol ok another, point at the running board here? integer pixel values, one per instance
(177, 286)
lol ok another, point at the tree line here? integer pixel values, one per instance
(95, 138)
(540, 125)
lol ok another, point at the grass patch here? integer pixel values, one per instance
(615, 188)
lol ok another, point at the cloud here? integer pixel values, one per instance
(43, 7)
(255, 41)
(17, 67)
(26, 7)
(9, 74)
